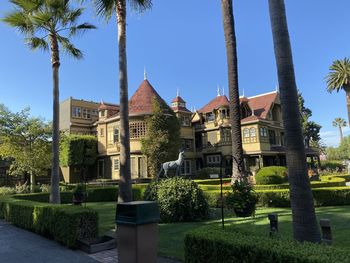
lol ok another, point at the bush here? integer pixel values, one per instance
(271, 175)
(328, 196)
(211, 244)
(332, 166)
(65, 224)
(179, 200)
(106, 194)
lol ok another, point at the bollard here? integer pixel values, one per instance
(326, 231)
(137, 231)
(273, 223)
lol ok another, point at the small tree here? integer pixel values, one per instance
(26, 141)
(163, 141)
(78, 151)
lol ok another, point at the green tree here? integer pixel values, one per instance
(78, 151)
(311, 130)
(339, 78)
(305, 227)
(26, 141)
(340, 123)
(238, 168)
(163, 141)
(49, 25)
(107, 8)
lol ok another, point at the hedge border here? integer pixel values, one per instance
(212, 244)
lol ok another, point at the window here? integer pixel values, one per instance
(187, 144)
(84, 113)
(185, 121)
(88, 114)
(173, 104)
(102, 132)
(116, 164)
(252, 132)
(213, 159)
(226, 135)
(115, 135)
(137, 130)
(76, 112)
(246, 137)
(263, 132)
(186, 167)
(102, 113)
(282, 138)
(210, 116)
(94, 112)
(272, 137)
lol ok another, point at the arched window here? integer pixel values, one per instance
(246, 135)
(252, 132)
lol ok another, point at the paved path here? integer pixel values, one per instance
(19, 246)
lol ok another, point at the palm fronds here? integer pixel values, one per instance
(339, 75)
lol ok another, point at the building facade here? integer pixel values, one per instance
(205, 134)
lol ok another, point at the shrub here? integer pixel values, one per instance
(65, 224)
(271, 175)
(7, 191)
(328, 196)
(178, 199)
(212, 244)
(332, 166)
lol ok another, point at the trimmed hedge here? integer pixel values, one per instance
(65, 224)
(328, 196)
(271, 175)
(106, 194)
(211, 244)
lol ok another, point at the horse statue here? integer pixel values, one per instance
(172, 165)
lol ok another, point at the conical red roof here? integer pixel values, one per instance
(141, 101)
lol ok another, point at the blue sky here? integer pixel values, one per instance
(181, 44)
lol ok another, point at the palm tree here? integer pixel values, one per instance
(107, 8)
(238, 168)
(340, 123)
(305, 227)
(43, 23)
(339, 78)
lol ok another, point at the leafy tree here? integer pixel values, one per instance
(107, 8)
(311, 130)
(339, 78)
(305, 227)
(238, 168)
(79, 151)
(163, 137)
(340, 123)
(44, 23)
(26, 141)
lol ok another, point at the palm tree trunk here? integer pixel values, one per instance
(32, 182)
(305, 227)
(125, 193)
(55, 175)
(347, 92)
(238, 168)
(341, 132)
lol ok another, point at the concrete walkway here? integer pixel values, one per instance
(18, 246)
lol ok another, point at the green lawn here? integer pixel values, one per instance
(171, 236)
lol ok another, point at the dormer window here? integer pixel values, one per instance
(102, 113)
(210, 116)
(173, 104)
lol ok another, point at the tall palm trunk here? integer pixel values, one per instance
(238, 168)
(55, 175)
(347, 92)
(125, 193)
(305, 226)
(341, 132)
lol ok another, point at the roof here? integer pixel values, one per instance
(216, 103)
(262, 104)
(178, 99)
(142, 100)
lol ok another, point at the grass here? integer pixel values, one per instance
(171, 236)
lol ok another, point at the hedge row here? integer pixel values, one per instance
(211, 244)
(106, 194)
(329, 196)
(65, 224)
